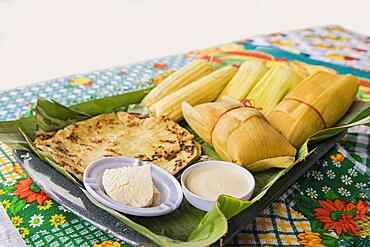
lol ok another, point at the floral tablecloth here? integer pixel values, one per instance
(328, 206)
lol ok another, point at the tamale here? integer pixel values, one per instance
(203, 117)
(240, 134)
(315, 104)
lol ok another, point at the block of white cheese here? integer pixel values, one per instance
(131, 186)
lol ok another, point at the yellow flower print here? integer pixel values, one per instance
(16, 220)
(364, 226)
(338, 157)
(108, 244)
(47, 204)
(310, 239)
(81, 81)
(23, 232)
(159, 78)
(2, 192)
(57, 220)
(18, 170)
(6, 204)
(283, 43)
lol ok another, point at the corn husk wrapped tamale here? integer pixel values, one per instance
(315, 104)
(203, 117)
(240, 134)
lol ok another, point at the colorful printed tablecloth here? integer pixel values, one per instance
(326, 207)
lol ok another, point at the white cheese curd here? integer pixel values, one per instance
(131, 186)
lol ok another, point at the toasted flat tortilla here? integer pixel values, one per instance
(157, 140)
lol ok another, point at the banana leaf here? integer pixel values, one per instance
(187, 226)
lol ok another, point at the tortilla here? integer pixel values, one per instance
(157, 140)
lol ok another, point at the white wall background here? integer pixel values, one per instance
(44, 39)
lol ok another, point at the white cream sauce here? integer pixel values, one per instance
(209, 182)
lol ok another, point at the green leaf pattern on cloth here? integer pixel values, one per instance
(334, 195)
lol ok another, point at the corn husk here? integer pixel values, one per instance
(317, 103)
(204, 116)
(244, 80)
(240, 134)
(273, 86)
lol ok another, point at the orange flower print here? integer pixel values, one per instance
(310, 239)
(361, 209)
(107, 244)
(347, 224)
(337, 215)
(18, 170)
(160, 65)
(338, 157)
(26, 189)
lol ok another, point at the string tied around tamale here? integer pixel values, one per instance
(248, 103)
(312, 107)
(244, 103)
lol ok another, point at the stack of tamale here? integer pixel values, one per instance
(240, 134)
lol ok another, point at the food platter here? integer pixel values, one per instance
(71, 197)
(195, 129)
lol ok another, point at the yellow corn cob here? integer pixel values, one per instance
(203, 90)
(244, 80)
(273, 86)
(187, 74)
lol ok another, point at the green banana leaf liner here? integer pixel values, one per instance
(187, 226)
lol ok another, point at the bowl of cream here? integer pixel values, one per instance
(204, 182)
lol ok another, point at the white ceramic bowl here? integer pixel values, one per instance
(168, 186)
(205, 204)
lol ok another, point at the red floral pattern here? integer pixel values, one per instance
(160, 65)
(26, 189)
(339, 216)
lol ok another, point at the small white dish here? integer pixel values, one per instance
(205, 204)
(168, 186)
